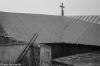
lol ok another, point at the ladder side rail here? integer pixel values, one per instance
(25, 49)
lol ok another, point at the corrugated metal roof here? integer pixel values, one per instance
(91, 18)
(23, 26)
(73, 29)
(85, 31)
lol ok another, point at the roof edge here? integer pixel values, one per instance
(28, 13)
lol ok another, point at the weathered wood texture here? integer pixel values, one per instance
(9, 54)
(42, 55)
(27, 59)
(38, 55)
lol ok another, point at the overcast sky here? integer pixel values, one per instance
(51, 7)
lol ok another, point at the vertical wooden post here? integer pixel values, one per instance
(42, 55)
(30, 55)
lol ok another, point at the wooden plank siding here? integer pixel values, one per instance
(9, 53)
(37, 55)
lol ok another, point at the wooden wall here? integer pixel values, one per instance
(37, 55)
(9, 53)
(67, 49)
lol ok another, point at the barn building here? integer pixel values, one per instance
(58, 36)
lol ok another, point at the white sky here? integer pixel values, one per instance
(51, 7)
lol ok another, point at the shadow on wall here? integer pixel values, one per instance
(67, 49)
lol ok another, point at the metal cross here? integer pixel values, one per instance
(62, 7)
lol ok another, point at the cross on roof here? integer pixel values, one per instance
(62, 7)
